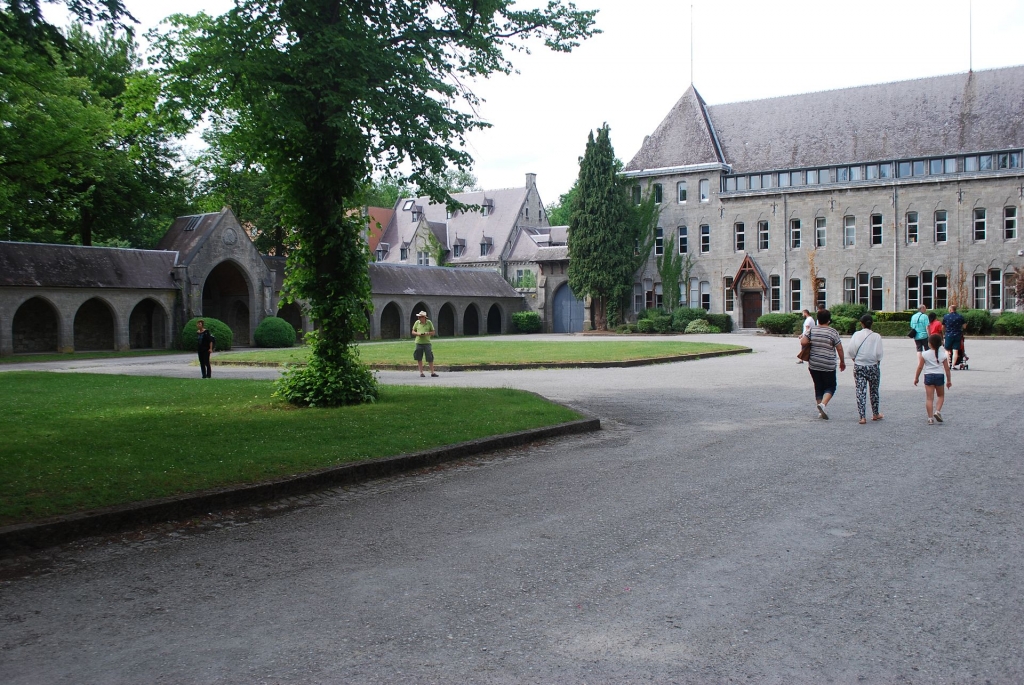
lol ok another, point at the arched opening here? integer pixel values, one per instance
(292, 313)
(471, 321)
(390, 322)
(494, 320)
(446, 321)
(226, 297)
(35, 327)
(94, 326)
(147, 326)
(567, 311)
(420, 307)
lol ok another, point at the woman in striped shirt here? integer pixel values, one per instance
(825, 346)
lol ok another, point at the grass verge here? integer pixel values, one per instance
(73, 356)
(482, 352)
(74, 442)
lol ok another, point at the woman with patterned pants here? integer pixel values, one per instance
(866, 352)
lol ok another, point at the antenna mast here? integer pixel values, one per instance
(691, 45)
(970, 37)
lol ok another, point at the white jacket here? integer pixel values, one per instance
(865, 348)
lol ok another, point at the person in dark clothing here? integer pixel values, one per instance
(204, 346)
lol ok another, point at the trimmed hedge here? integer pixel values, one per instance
(977, 322)
(780, 324)
(849, 311)
(274, 332)
(645, 326)
(662, 323)
(682, 316)
(218, 328)
(1009, 323)
(723, 322)
(526, 322)
(893, 316)
(844, 324)
(897, 329)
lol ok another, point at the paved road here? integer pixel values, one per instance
(716, 531)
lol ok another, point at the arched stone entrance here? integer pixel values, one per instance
(35, 327)
(390, 322)
(471, 321)
(147, 326)
(420, 307)
(446, 321)
(94, 326)
(494, 320)
(567, 311)
(292, 313)
(226, 297)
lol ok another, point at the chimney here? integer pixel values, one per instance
(531, 180)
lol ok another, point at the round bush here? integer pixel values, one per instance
(645, 326)
(844, 324)
(1009, 323)
(526, 322)
(698, 326)
(662, 323)
(780, 324)
(274, 332)
(682, 317)
(219, 330)
(977, 322)
(848, 310)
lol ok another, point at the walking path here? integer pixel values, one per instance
(716, 530)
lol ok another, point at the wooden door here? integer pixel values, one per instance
(751, 309)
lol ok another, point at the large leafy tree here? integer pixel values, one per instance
(560, 212)
(326, 92)
(602, 230)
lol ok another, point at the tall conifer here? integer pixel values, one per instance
(600, 230)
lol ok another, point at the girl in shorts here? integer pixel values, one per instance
(935, 364)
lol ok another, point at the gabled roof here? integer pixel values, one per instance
(749, 266)
(402, 279)
(377, 219)
(942, 115)
(75, 266)
(188, 233)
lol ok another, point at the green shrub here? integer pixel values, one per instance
(893, 328)
(274, 332)
(844, 324)
(217, 328)
(645, 326)
(650, 313)
(780, 324)
(698, 326)
(662, 323)
(723, 322)
(714, 329)
(1009, 323)
(848, 311)
(977, 322)
(893, 316)
(682, 316)
(526, 322)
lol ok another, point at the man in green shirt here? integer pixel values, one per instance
(423, 331)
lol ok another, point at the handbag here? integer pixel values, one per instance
(912, 333)
(805, 352)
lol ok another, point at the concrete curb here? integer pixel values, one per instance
(648, 361)
(57, 530)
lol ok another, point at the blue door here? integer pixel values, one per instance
(568, 311)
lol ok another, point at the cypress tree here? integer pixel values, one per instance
(600, 229)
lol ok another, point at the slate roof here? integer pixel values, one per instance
(188, 233)
(402, 279)
(75, 266)
(943, 115)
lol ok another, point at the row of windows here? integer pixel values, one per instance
(870, 172)
(650, 294)
(703, 186)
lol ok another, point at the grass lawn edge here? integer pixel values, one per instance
(49, 532)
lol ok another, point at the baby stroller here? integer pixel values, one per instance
(961, 358)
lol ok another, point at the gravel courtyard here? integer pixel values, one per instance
(716, 530)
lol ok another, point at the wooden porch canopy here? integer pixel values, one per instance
(749, 276)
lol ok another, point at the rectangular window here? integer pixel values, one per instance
(783, 179)
(483, 249)
(941, 291)
(911, 227)
(705, 239)
(876, 229)
(694, 300)
(730, 183)
(970, 163)
(659, 241)
(849, 290)
(657, 193)
(824, 175)
(979, 291)
(819, 232)
(842, 174)
(979, 224)
(820, 293)
(940, 226)
(762, 235)
(766, 181)
(741, 183)
(812, 177)
(730, 295)
(876, 294)
(403, 253)
(683, 247)
(995, 289)
(855, 173)
(872, 172)
(705, 295)
(705, 190)
(659, 295)
(918, 167)
(755, 182)
(1009, 223)
(458, 250)
(638, 195)
(885, 170)
(913, 292)
(794, 234)
(776, 293)
(796, 178)
(739, 233)
(934, 166)
(794, 295)
(985, 162)
(1014, 163)
(903, 168)
(849, 231)
(638, 298)
(927, 289)
(423, 258)
(681, 191)
(949, 165)
(1009, 291)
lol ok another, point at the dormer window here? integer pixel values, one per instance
(485, 210)
(380, 255)
(457, 250)
(403, 253)
(415, 216)
(382, 251)
(485, 246)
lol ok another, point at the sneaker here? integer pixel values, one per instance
(799, 361)
(822, 412)
(931, 422)
(433, 375)
(938, 417)
(423, 375)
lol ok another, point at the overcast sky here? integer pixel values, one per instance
(632, 74)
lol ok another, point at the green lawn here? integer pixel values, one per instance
(98, 354)
(510, 351)
(73, 442)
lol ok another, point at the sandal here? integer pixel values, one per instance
(931, 422)
(862, 421)
(877, 417)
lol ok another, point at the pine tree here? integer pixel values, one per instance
(600, 230)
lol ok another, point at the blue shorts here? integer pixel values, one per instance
(953, 341)
(936, 379)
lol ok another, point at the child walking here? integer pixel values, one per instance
(935, 363)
